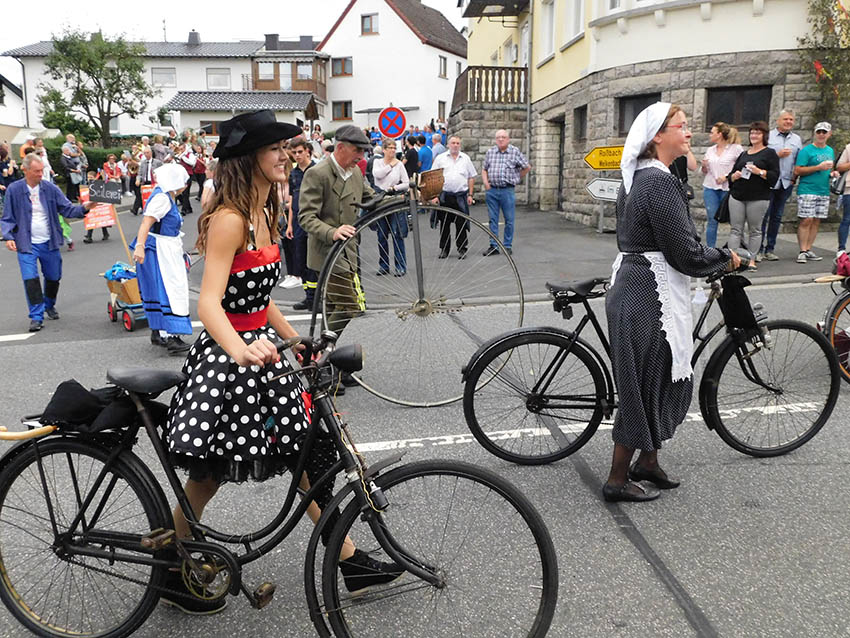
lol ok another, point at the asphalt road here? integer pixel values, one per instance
(745, 547)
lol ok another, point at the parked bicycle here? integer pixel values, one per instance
(537, 395)
(836, 321)
(86, 534)
(429, 316)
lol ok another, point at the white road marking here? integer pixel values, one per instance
(20, 337)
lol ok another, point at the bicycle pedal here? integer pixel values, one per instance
(158, 539)
(263, 595)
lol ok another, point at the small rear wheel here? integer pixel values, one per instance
(480, 535)
(128, 320)
(770, 400)
(111, 312)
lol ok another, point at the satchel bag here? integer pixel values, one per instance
(722, 213)
(76, 178)
(836, 184)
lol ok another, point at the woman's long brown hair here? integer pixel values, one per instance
(234, 189)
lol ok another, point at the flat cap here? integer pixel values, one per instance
(353, 135)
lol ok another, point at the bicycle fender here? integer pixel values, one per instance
(14, 451)
(709, 381)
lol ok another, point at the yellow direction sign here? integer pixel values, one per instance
(604, 158)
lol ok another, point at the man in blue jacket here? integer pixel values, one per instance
(30, 227)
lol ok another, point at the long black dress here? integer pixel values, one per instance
(654, 216)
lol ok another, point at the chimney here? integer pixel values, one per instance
(194, 37)
(272, 42)
(305, 43)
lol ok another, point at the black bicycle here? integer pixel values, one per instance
(537, 395)
(86, 535)
(836, 321)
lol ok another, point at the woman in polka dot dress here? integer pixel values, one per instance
(232, 420)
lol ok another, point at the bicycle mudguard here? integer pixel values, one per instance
(484, 347)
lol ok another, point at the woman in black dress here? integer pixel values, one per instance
(648, 303)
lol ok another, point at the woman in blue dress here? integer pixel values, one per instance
(158, 253)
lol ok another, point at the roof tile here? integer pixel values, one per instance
(239, 100)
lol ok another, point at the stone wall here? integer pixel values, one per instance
(680, 80)
(476, 124)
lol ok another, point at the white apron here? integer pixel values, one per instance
(172, 268)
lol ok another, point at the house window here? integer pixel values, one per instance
(580, 123)
(341, 66)
(547, 28)
(459, 68)
(341, 110)
(304, 70)
(210, 126)
(443, 66)
(265, 70)
(574, 22)
(737, 105)
(369, 24)
(218, 79)
(441, 111)
(164, 76)
(630, 107)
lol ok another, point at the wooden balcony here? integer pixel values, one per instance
(284, 82)
(491, 85)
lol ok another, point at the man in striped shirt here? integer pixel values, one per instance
(504, 167)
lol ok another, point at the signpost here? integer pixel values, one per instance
(604, 189)
(392, 122)
(604, 158)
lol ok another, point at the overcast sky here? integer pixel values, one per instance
(214, 19)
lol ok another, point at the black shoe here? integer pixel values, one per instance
(510, 251)
(105, 236)
(157, 339)
(461, 254)
(35, 325)
(176, 345)
(302, 305)
(181, 598)
(382, 272)
(87, 240)
(634, 492)
(444, 253)
(361, 572)
(348, 381)
(657, 477)
(492, 250)
(399, 273)
(51, 313)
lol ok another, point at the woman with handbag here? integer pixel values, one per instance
(842, 166)
(751, 178)
(716, 164)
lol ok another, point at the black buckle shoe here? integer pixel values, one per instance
(657, 477)
(362, 572)
(632, 492)
(176, 345)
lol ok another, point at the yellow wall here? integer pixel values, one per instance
(486, 38)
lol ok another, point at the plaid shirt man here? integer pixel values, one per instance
(503, 167)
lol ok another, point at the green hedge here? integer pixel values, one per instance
(96, 156)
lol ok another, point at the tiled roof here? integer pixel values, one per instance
(239, 100)
(243, 49)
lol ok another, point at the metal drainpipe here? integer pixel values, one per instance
(26, 93)
(528, 97)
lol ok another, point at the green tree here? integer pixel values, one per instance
(55, 114)
(101, 78)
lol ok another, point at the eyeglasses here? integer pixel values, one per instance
(684, 126)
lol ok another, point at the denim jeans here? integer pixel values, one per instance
(844, 226)
(51, 268)
(505, 199)
(712, 198)
(773, 217)
(392, 226)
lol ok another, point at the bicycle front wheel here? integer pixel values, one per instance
(535, 398)
(769, 401)
(480, 534)
(420, 312)
(48, 586)
(837, 331)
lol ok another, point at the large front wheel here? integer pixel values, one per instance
(769, 400)
(419, 294)
(485, 540)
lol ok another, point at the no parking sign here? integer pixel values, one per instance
(392, 122)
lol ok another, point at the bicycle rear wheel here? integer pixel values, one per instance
(481, 535)
(799, 372)
(422, 341)
(534, 398)
(837, 331)
(49, 588)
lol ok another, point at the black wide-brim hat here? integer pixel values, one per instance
(247, 132)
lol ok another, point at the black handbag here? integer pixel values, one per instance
(722, 212)
(836, 184)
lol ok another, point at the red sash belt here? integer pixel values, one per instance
(248, 321)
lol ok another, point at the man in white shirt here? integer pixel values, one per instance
(458, 181)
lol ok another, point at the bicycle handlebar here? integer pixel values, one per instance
(746, 257)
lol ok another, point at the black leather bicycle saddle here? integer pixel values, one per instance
(582, 288)
(144, 380)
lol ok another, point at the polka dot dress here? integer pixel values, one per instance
(238, 421)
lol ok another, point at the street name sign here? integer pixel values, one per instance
(604, 158)
(392, 122)
(604, 189)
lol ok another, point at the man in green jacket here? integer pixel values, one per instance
(328, 207)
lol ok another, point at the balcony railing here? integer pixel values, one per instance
(284, 82)
(491, 85)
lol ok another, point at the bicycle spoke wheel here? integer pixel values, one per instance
(412, 335)
(528, 400)
(49, 588)
(798, 384)
(838, 332)
(479, 533)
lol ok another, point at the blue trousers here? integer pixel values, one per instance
(392, 226)
(505, 199)
(51, 268)
(844, 226)
(773, 217)
(712, 198)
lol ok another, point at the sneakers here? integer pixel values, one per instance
(302, 305)
(51, 313)
(362, 572)
(87, 240)
(771, 256)
(801, 258)
(176, 345)
(492, 250)
(759, 257)
(290, 281)
(811, 256)
(35, 325)
(181, 598)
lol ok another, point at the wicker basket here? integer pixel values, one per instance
(430, 184)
